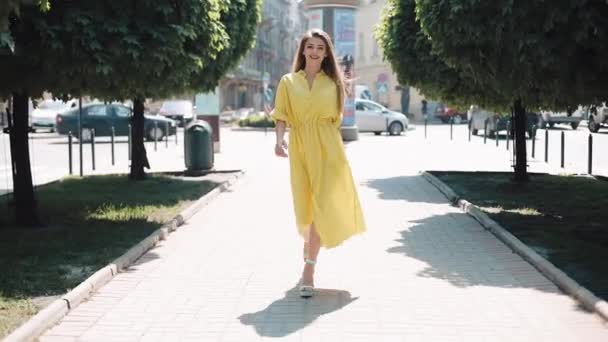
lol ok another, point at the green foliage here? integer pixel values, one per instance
(408, 50)
(550, 54)
(256, 121)
(116, 50)
(9, 8)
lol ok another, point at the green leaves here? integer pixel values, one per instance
(548, 53)
(115, 49)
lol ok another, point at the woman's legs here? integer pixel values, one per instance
(314, 245)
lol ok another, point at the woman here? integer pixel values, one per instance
(310, 100)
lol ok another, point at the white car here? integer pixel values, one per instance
(181, 111)
(45, 114)
(598, 116)
(371, 116)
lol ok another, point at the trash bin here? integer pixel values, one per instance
(198, 146)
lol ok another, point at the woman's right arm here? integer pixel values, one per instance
(280, 116)
(281, 145)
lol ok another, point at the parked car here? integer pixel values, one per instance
(373, 117)
(102, 117)
(448, 113)
(181, 111)
(43, 116)
(497, 122)
(598, 117)
(548, 118)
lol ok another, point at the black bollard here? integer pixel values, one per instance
(563, 148)
(112, 144)
(70, 151)
(508, 133)
(155, 134)
(93, 147)
(167, 134)
(590, 157)
(469, 131)
(452, 128)
(533, 145)
(425, 122)
(129, 142)
(485, 130)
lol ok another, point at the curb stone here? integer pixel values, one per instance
(50, 315)
(557, 276)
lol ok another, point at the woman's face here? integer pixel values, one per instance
(314, 51)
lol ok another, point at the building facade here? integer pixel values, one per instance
(283, 22)
(375, 73)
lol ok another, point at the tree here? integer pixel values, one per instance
(118, 50)
(409, 51)
(536, 53)
(11, 7)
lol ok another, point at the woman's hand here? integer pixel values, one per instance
(280, 149)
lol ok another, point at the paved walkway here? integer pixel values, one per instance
(423, 272)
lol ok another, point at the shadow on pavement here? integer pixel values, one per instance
(468, 259)
(292, 313)
(404, 188)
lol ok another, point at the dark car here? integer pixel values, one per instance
(102, 117)
(449, 114)
(497, 122)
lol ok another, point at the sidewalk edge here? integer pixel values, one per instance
(557, 276)
(50, 315)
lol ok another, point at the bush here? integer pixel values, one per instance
(256, 121)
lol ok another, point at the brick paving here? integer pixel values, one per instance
(423, 272)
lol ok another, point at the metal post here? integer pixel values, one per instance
(176, 134)
(129, 142)
(508, 133)
(155, 134)
(80, 135)
(70, 150)
(425, 122)
(496, 138)
(451, 128)
(534, 142)
(93, 146)
(167, 134)
(112, 142)
(469, 131)
(590, 158)
(546, 145)
(485, 130)
(563, 148)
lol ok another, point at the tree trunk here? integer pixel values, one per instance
(521, 163)
(23, 188)
(139, 159)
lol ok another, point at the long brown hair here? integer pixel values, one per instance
(330, 64)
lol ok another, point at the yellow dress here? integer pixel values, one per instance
(322, 184)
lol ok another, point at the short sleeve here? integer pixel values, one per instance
(279, 113)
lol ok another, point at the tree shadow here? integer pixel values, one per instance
(467, 255)
(87, 223)
(404, 188)
(292, 313)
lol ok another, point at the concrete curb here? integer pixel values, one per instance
(557, 276)
(49, 316)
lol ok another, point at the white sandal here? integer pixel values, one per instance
(307, 291)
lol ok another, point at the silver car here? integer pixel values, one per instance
(373, 117)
